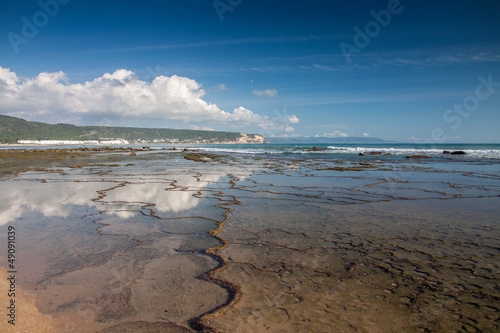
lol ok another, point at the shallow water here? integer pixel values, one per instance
(253, 244)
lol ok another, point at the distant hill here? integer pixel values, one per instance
(352, 139)
(13, 129)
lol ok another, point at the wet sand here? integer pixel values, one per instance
(29, 319)
(109, 242)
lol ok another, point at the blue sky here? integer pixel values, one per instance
(423, 71)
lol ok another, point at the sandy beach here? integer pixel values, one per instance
(108, 242)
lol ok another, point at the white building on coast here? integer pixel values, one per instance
(74, 142)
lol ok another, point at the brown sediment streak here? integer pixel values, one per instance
(368, 197)
(443, 257)
(382, 182)
(389, 270)
(385, 242)
(233, 289)
(304, 249)
(102, 195)
(429, 264)
(148, 210)
(201, 323)
(100, 232)
(282, 268)
(477, 244)
(427, 284)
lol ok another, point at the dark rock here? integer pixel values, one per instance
(318, 149)
(152, 327)
(185, 150)
(375, 153)
(361, 154)
(418, 156)
(458, 152)
(446, 152)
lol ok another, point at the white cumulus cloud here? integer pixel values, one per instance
(268, 92)
(119, 94)
(293, 119)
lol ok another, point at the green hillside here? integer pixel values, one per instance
(13, 129)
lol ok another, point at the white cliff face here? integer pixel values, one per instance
(244, 138)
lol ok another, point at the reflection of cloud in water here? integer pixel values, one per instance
(56, 198)
(50, 199)
(155, 193)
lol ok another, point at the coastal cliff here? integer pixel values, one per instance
(16, 130)
(252, 138)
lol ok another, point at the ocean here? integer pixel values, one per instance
(474, 151)
(345, 150)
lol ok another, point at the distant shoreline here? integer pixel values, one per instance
(122, 145)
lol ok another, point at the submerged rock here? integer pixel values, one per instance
(418, 156)
(316, 149)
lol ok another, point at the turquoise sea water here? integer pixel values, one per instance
(474, 151)
(341, 150)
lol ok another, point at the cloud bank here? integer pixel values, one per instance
(120, 94)
(335, 134)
